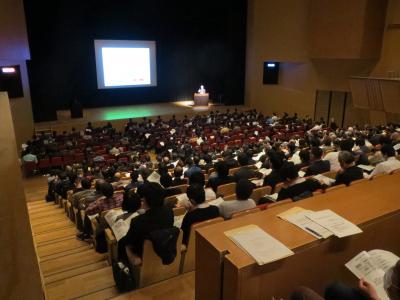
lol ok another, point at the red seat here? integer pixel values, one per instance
(56, 161)
(110, 161)
(123, 159)
(44, 163)
(68, 160)
(79, 157)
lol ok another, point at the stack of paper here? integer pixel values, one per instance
(112, 215)
(178, 220)
(272, 197)
(372, 266)
(154, 177)
(298, 216)
(301, 173)
(258, 182)
(333, 222)
(258, 244)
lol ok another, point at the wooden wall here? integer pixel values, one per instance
(20, 276)
(281, 31)
(14, 50)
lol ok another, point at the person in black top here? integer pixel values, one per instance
(273, 178)
(156, 217)
(349, 171)
(359, 158)
(134, 175)
(305, 158)
(318, 165)
(222, 176)
(200, 210)
(178, 180)
(295, 187)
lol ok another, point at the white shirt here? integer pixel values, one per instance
(386, 167)
(183, 200)
(333, 158)
(228, 208)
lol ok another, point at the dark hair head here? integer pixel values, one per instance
(134, 176)
(360, 141)
(197, 177)
(388, 150)
(244, 188)
(178, 171)
(316, 152)
(196, 160)
(304, 155)
(275, 160)
(166, 180)
(86, 184)
(243, 159)
(153, 194)
(222, 169)
(347, 145)
(107, 189)
(288, 171)
(131, 202)
(196, 193)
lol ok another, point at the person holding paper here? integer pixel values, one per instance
(364, 291)
(193, 166)
(349, 171)
(296, 187)
(222, 176)
(318, 165)
(390, 164)
(199, 210)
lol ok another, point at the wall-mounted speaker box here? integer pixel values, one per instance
(10, 81)
(271, 73)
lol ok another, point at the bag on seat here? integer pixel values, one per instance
(164, 243)
(123, 277)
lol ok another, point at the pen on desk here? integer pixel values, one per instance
(314, 232)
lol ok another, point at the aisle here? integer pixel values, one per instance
(71, 268)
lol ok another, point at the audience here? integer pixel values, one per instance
(199, 210)
(390, 162)
(318, 165)
(349, 171)
(244, 189)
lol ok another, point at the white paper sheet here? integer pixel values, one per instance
(334, 223)
(366, 168)
(258, 244)
(324, 179)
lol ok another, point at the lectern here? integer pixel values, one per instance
(201, 99)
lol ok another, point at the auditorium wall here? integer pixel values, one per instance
(14, 50)
(280, 31)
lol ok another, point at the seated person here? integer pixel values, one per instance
(222, 176)
(134, 181)
(390, 164)
(273, 178)
(244, 188)
(156, 217)
(107, 202)
(199, 210)
(332, 156)
(86, 192)
(183, 200)
(295, 187)
(132, 203)
(178, 180)
(245, 172)
(318, 165)
(364, 291)
(349, 171)
(305, 158)
(193, 166)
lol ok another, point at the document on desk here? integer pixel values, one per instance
(298, 216)
(338, 225)
(367, 168)
(258, 244)
(372, 266)
(112, 215)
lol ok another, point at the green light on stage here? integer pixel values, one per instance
(126, 113)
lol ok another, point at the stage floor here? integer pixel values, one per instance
(118, 115)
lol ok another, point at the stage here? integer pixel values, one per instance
(118, 115)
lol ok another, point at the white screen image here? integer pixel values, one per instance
(125, 63)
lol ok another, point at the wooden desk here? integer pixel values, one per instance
(224, 271)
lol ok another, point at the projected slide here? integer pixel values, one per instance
(125, 63)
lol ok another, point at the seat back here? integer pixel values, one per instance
(152, 270)
(278, 203)
(170, 201)
(233, 170)
(29, 167)
(189, 259)
(226, 189)
(182, 187)
(330, 174)
(245, 212)
(260, 192)
(230, 197)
